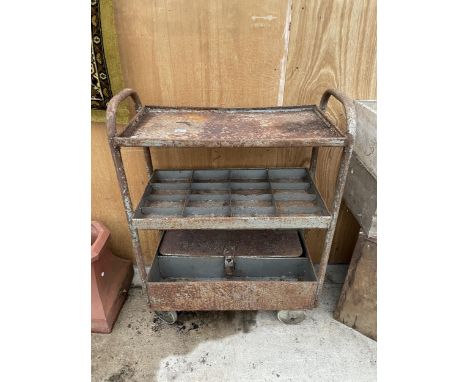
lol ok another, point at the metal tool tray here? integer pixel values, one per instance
(201, 283)
(210, 127)
(231, 198)
(266, 243)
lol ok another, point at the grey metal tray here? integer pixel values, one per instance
(263, 243)
(282, 198)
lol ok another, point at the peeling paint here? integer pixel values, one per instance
(269, 18)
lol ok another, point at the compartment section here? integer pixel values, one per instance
(231, 198)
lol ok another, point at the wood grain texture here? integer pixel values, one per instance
(346, 235)
(202, 53)
(166, 158)
(106, 201)
(332, 44)
(357, 306)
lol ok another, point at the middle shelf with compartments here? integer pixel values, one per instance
(260, 198)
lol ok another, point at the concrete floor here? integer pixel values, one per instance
(234, 346)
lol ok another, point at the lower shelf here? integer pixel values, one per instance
(190, 283)
(266, 243)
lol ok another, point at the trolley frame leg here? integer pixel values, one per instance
(350, 113)
(122, 178)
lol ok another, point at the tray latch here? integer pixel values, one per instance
(229, 265)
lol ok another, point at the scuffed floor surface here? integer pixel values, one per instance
(233, 346)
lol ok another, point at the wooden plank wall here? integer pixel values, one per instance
(235, 53)
(332, 44)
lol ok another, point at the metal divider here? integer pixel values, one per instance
(259, 192)
(230, 192)
(273, 199)
(187, 195)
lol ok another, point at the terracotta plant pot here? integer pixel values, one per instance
(110, 279)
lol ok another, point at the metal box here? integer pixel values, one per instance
(181, 282)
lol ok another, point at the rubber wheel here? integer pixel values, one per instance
(169, 317)
(291, 317)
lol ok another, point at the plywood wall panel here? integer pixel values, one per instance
(202, 53)
(106, 201)
(332, 43)
(230, 157)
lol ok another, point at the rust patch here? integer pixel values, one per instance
(231, 295)
(265, 243)
(274, 127)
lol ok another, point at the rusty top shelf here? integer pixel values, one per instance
(213, 127)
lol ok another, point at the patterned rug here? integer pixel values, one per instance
(106, 71)
(101, 91)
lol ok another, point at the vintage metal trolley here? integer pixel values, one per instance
(232, 238)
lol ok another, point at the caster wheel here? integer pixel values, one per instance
(291, 317)
(168, 317)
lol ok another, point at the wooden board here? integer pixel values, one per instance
(332, 44)
(365, 148)
(106, 201)
(167, 158)
(202, 53)
(361, 196)
(357, 306)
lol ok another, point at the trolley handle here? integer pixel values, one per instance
(348, 106)
(114, 104)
